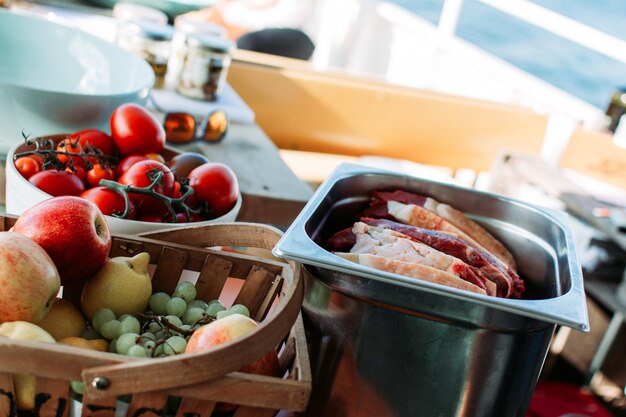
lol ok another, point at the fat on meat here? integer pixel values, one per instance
(394, 245)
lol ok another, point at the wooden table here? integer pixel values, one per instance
(272, 193)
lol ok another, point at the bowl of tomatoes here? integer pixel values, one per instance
(137, 182)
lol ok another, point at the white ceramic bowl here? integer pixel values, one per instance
(56, 78)
(21, 195)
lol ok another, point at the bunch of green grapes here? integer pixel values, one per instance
(165, 328)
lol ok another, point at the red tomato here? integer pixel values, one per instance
(94, 138)
(182, 218)
(97, 173)
(70, 146)
(156, 157)
(27, 166)
(138, 176)
(215, 184)
(109, 201)
(57, 183)
(136, 131)
(79, 171)
(126, 163)
(152, 218)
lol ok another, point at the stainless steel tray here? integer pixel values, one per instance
(540, 240)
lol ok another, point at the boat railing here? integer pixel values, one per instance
(383, 38)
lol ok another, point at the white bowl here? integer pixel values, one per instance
(56, 78)
(21, 195)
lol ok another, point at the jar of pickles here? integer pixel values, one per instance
(204, 66)
(149, 40)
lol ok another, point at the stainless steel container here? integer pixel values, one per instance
(387, 345)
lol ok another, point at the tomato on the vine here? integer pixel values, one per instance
(109, 201)
(58, 183)
(70, 146)
(79, 171)
(27, 166)
(126, 163)
(215, 184)
(138, 175)
(136, 131)
(99, 172)
(94, 138)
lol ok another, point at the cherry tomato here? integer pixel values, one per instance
(126, 163)
(93, 138)
(182, 218)
(156, 157)
(136, 131)
(70, 146)
(57, 183)
(109, 201)
(215, 184)
(27, 166)
(177, 187)
(182, 164)
(80, 172)
(97, 173)
(138, 175)
(152, 218)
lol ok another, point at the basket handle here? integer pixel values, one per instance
(252, 235)
(152, 375)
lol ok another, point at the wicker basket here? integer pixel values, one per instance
(272, 290)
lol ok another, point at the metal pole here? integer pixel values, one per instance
(449, 18)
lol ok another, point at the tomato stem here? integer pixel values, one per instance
(155, 177)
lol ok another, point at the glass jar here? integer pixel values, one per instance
(149, 40)
(204, 67)
(183, 27)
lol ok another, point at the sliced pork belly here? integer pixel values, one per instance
(391, 244)
(412, 270)
(453, 216)
(506, 279)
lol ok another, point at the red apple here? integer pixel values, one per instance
(72, 231)
(229, 328)
(29, 281)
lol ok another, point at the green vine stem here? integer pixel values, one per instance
(155, 176)
(51, 156)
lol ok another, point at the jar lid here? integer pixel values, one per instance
(124, 11)
(150, 30)
(213, 43)
(187, 25)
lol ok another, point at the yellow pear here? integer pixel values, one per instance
(63, 319)
(123, 284)
(25, 384)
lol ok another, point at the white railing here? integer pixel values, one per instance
(562, 26)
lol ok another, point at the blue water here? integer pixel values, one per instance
(584, 73)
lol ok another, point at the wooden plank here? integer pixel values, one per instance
(340, 114)
(212, 278)
(251, 390)
(257, 285)
(192, 407)
(125, 247)
(594, 154)
(255, 160)
(52, 398)
(147, 404)
(254, 412)
(98, 407)
(168, 270)
(279, 212)
(272, 293)
(196, 256)
(7, 396)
